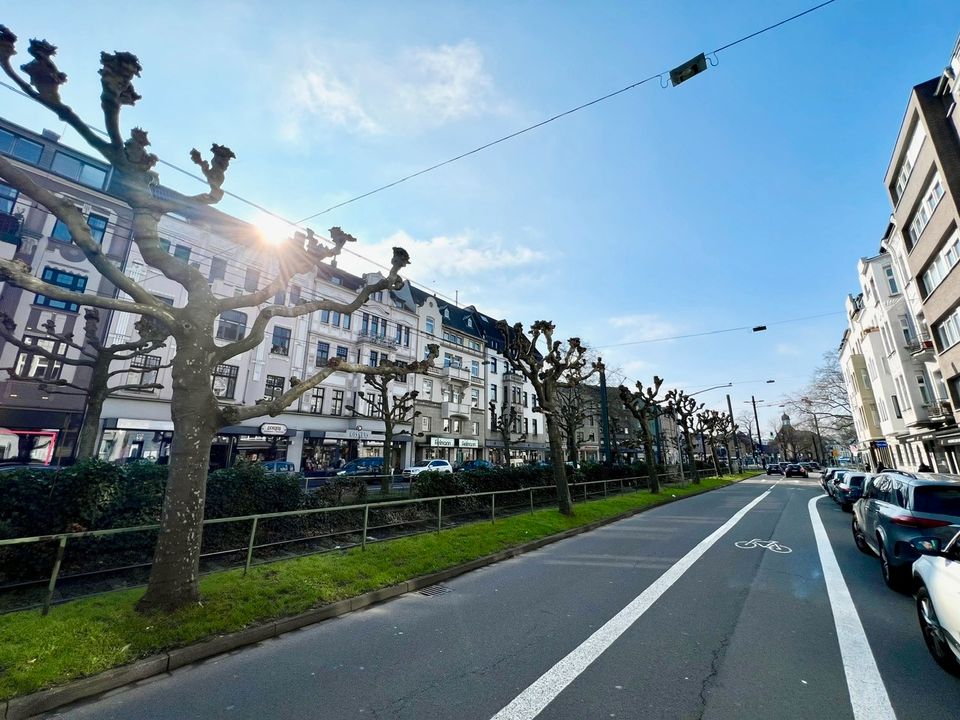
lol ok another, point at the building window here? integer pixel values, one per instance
(274, 387)
(341, 353)
(374, 358)
(493, 365)
(323, 353)
(218, 269)
(534, 426)
(336, 407)
(406, 336)
(925, 211)
(906, 169)
(251, 280)
(924, 391)
(475, 428)
(144, 370)
(424, 423)
(891, 279)
(280, 298)
(942, 263)
(475, 368)
(493, 392)
(34, 365)
(8, 199)
(96, 223)
(398, 337)
(475, 397)
(66, 280)
(948, 332)
(281, 341)
(325, 316)
(346, 322)
(20, 148)
(316, 400)
(896, 406)
(526, 426)
(294, 294)
(76, 169)
(231, 325)
(335, 319)
(224, 381)
(429, 326)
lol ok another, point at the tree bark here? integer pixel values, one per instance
(387, 452)
(96, 395)
(713, 456)
(564, 502)
(653, 480)
(174, 575)
(693, 458)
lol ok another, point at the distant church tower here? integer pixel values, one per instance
(785, 420)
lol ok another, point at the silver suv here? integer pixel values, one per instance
(896, 509)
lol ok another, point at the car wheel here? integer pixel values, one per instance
(860, 539)
(893, 576)
(933, 634)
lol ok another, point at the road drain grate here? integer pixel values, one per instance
(435, 590)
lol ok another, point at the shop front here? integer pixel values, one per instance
(37, 436)
(329, 449)
(521, 453)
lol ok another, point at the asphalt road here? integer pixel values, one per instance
(658, 616)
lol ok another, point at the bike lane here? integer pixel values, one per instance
(745, 634)
(465, 653)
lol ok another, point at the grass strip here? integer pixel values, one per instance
(88, 636)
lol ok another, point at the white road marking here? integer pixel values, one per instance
(868, 694)
(536, 697)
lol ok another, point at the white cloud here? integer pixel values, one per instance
(421, 88)
(787, 349)
(445, 257)
(641, 326)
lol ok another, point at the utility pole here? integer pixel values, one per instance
(604, 420)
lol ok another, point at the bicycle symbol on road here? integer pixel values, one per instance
(772, 545)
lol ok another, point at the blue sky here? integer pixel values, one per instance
(742, 197)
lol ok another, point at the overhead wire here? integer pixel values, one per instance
(463, 155)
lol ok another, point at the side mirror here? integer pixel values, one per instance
(926, 545)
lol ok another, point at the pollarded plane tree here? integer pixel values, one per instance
(507, 425)
(195, 410)
(703, 426)
(91, 353)
(380, 403)
(684, 408)
(644, 405)
(548, 370)
(574, 407)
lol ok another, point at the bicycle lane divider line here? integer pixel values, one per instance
(868, 694)
(532, 701)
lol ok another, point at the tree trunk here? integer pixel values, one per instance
(96, 395)
(693, 458)
(713, 456)
(90, 429)
(174, 575)
(653, 480)
(387, 455)
(564, 503)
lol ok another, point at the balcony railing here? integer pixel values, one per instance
(920, 345)
(453, 409)
(10, 228)
(940, 411)
(455, 373)
(380, 340)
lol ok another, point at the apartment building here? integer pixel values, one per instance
(38, 424)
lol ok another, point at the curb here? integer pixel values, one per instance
(27, 706)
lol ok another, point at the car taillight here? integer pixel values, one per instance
(917, 522)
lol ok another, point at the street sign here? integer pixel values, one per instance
(269, 429)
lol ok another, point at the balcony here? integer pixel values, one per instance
(921, 346)
(10, 229)
(940, 412)
(365, 336)
(455, 410)
(511, 376)
(455, 374)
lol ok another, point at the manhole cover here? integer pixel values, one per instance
(435, 590)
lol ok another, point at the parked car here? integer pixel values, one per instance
(370, 466)
(812, 465)
(427, 465)
(774, 469)
(835, 480)
(895, 510)
(475, 465)
(783, 466)
(795, 470)
(278, 466)
(13, 467)
(849, 490)
(937, 576)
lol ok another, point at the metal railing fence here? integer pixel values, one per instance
(313, 528)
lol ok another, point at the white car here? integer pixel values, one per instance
(427, 465)
(937, 573)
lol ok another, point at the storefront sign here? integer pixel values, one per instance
(273, 429)
(136, 424)
(359, 434)
(469, 443)
(952, 441)
(880, 443)
(442, 442)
